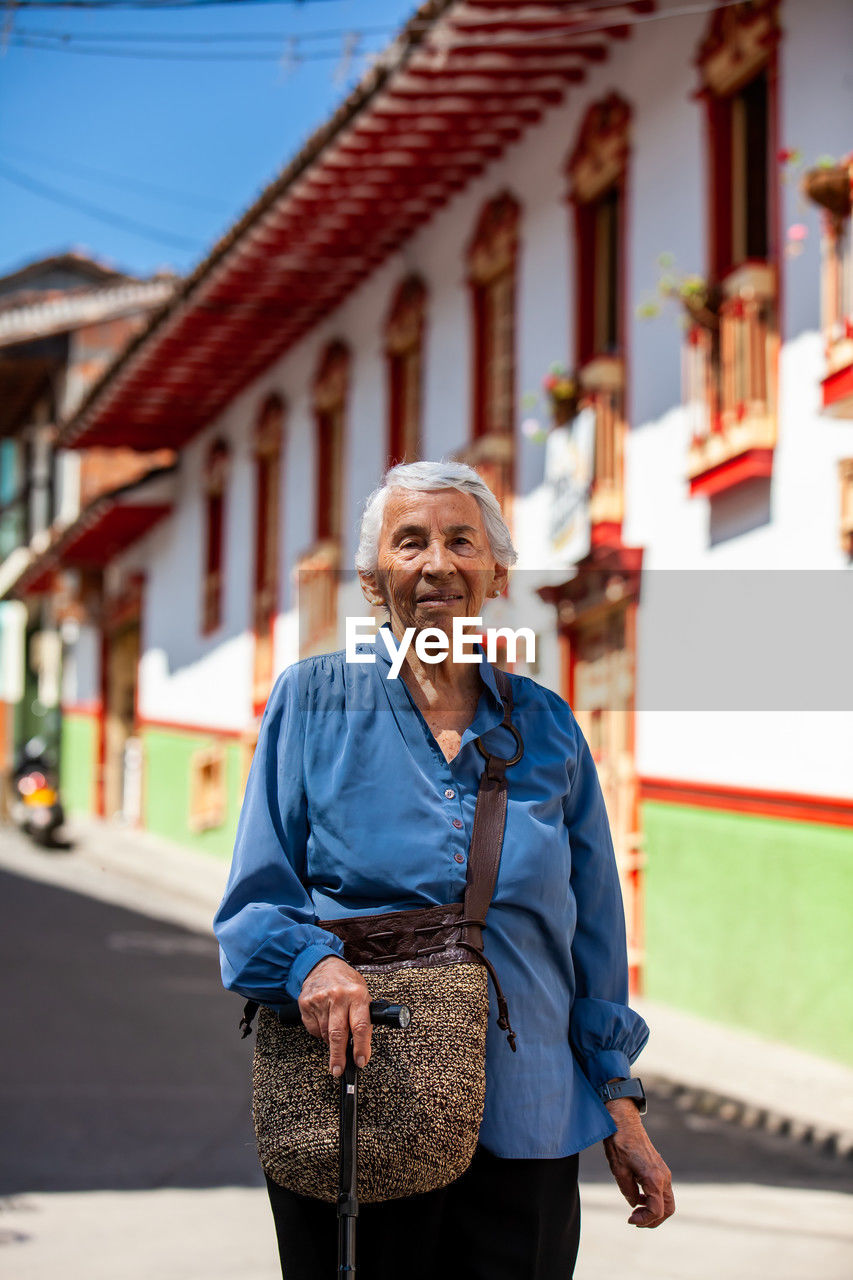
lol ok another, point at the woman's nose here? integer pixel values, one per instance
(438, 559)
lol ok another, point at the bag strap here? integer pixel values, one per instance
(487, 836)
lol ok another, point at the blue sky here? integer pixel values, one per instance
(181, 146)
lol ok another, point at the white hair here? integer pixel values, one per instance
(425, 477)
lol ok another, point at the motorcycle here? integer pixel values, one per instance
(36, 807)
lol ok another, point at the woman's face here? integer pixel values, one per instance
(434, 560)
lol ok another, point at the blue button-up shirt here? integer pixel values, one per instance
(351, 808)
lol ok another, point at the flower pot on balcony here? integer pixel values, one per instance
(562, 390)
(830, 187)
(703, 305)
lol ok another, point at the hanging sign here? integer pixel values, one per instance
(569, 457)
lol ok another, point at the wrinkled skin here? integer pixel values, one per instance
(640, 1173)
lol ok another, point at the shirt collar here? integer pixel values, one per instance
(379, 647)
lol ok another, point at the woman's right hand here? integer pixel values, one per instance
(334, 1002)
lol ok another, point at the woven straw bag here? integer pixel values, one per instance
(421, 1094)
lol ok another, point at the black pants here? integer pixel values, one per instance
(502, 1220)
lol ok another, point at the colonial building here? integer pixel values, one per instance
(62, 321)
(569, 245)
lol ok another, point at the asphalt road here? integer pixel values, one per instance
(123, 1068)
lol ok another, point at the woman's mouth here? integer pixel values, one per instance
(438, 599)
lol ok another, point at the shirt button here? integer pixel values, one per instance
(457, 822)
(459, 857)
(449, 793)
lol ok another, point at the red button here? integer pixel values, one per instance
(460, 857)
(457, 822)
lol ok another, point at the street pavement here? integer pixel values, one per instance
(128, 1153)
(127, 1148)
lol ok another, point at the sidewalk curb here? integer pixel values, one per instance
(706, 1102)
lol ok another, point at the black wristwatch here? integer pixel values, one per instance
(632, 1089)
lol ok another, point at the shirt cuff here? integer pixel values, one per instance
(304, 963)
(609, 1064)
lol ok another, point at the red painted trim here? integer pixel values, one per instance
(838, 386)
(194, 730)
(793, 806)
(749, 465)
(90, 708)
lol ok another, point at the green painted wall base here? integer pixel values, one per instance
(77, 761)
(166, 789)
(748, 922)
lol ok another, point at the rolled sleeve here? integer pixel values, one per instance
(266, 925)
(606, 1035)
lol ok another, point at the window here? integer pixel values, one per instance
(404, 350)
(215, 481)
(737, 66)
(207, 806)
(732, 352)
(267, 445)
(330, 390)
(491, 272)
(597, 172)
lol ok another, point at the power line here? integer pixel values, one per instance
(20, 179)
(283, 54)
(117, 180)
(85, 43)
(153, 6)
(209, 37)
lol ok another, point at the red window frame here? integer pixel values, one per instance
(492, 271)
(330, 399)
(216, 472)
(404, 342)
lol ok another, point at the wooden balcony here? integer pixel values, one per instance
(730, 384)
(603, 390)
(316, 574)
(830, 188)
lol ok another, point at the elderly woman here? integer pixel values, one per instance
(360, 800)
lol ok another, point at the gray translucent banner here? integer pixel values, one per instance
(748, 640)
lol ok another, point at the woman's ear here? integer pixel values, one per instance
(370, 588)
(499, 581)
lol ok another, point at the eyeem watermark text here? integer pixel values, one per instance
(432, 645)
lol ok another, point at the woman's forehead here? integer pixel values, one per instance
(435, 506)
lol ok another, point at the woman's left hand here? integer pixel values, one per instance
(640, 1173)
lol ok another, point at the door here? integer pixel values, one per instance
(121, 764)
(602, 697)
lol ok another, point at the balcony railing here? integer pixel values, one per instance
(730, 383)
(603, 390)
(316, 575)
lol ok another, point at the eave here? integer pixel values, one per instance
(104, 529)
(461, 82)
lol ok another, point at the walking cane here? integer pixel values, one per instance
(382, 1014)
